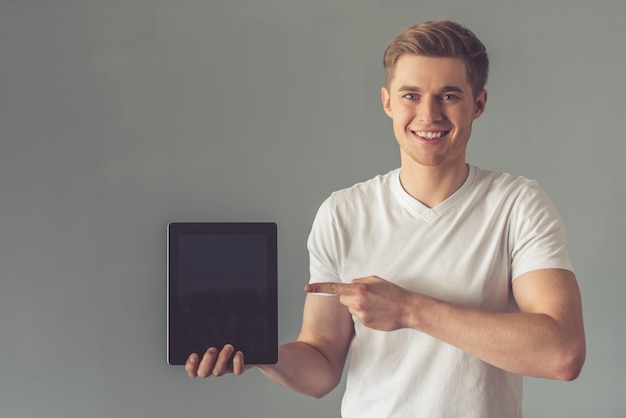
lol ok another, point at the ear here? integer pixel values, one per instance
(386, 99)
(480, 103)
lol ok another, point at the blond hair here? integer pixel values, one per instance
(441, 38)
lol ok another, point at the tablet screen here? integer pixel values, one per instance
(222, 288)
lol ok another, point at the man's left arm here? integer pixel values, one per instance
(544, 339)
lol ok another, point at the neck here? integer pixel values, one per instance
(432, 185)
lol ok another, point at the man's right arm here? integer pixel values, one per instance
(313, 364)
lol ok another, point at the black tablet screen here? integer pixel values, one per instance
(222, 289)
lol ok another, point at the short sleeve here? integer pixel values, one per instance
(321, 244)
(538, 234)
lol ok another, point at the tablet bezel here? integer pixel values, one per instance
(179, 345)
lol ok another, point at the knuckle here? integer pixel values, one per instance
(361, 289)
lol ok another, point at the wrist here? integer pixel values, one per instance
(414, 306)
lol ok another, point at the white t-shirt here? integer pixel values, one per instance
(466, 250)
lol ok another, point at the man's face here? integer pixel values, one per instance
(432, 106)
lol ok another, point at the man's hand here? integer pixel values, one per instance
(378, 303)
(214, 363)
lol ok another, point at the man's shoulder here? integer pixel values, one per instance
(506, 190)
(366, 189)
(362, 196)
(503, 181)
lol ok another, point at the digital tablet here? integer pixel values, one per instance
(222, 281)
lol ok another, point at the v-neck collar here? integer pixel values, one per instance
(430, 214)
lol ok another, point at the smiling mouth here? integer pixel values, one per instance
(430, 134)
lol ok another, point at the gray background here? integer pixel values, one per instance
(118, 117)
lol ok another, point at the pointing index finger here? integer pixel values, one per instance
(328, 288)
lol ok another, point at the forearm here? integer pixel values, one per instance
(532, 344)
(304, 369)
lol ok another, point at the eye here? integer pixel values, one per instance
(449, 97)
(410, 96)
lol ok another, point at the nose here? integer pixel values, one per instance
(429, 110)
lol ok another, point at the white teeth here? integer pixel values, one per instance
(430, 135)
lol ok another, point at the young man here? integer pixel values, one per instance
(444, 282)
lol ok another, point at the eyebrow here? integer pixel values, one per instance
(444, 89)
